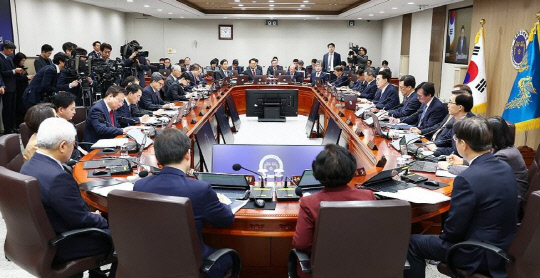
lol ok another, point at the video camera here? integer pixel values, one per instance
(127, 50)
(77, 67)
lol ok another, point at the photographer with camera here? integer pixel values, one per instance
(77, 71)
(44, 84)
(362, 58)
(134, 58)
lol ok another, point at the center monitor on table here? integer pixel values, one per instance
(271, 105)
(291, 159)
(205, 140)
(332, 134)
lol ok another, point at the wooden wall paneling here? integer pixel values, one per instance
(438, 22)
(406, 34)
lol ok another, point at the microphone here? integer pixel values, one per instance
(299, 191)
(72, 162)
(237, 167)
(127, 119)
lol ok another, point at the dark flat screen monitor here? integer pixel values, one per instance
(242, 79)
(308, 180)
(333, 132)
(271, 104)
(223, 123)
(233, 112)
(292, 159)
(313, 113)
(259, 79)
(205, 140)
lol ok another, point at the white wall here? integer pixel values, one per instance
(391, 43)
(198, 39)
(58, 21)
(420, 45)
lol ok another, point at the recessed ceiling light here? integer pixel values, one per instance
(236, 1)
(271, 5)
(359, 18)
(394, 8)
(131, 1)
(243, 9)
(302, 6)
(146, 6)
(317, 18)
(170, 13)
(181, 17)
(224, 17)
(370, 14)
(271, 1)
(299, 9)
(306, 1)
(159, 10)
(271, 9)
(381, 12)
(304, 19)
(240, 5)
(411, 3)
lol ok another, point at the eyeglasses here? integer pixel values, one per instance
(450, 102)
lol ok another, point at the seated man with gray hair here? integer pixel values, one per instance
(151, 96)
(60, 194)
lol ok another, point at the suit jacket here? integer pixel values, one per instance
(270, 71)
(513, 157)
(175, 93)
(150, 100)
(309, 212)
(2, 82)
(6, 71)
(369, 91)
(296, 78)
(462, 49)
(195, 81)
(444, 141)
(343, 80)
(323, 76)
(483, 208)
(206, 205)
(408, 107)
(169, 81)
(95, 130)
(434, 115)
(140, 69)
(136, 111)
(388, 100)
(358, 86)
(125, 112)
(39, 63)
(249, 73)
(220, 74)
(336, 58)
(94, 55)
(240, 69)
(43, 83)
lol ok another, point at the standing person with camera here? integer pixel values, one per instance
(362, 58)
(136, 59)
(70, 74)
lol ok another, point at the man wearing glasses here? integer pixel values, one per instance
(151, 98)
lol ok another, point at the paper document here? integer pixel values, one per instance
(109, 143)
(104, 191)
(444, 173)
(417, 195)
(138, 136)
(151, 120)
(237, 205)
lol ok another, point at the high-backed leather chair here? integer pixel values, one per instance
(357, 239)
(512, 128)
(522, 257)
(535, 165)
(26, 133)
(80, 130)
(80, 115)
(30, 240)
(10, 152)
(155, 236)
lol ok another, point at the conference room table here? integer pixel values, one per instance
(264, 237)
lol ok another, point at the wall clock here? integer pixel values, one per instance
(225, 32)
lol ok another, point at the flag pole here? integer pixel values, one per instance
(527, 132)
(483, 21)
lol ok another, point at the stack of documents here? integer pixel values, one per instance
(417, 195)
(104, 191)
(110, 143)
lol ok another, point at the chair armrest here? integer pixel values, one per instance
(407, 265)
(302, 258)
(475, 244)
(105, 235)
(210, 261)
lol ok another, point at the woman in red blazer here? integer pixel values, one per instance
(334, 168)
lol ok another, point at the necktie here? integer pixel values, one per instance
(112, 117)
(422, 117)
(253, 72)
(225, 72)
(440, 128)
(330, 62)
(318, 74)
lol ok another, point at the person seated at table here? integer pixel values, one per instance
(222, 72)
(300, 67)
(236, 67)
(273, 68)
(172, 150)
(410, 102)
(360, 83)
(151, 98)
(126, 113)
(318, 73)
(102, 122)
(253, 69)
(33, 119)
(176, 91)
(64, 103)
(173, 77)
(386, 96)
(482, 208)
(296, 77)
(196, 78)
(333, 168)
(371, 86)
(341, 77)
(60, 195)
(431, 113)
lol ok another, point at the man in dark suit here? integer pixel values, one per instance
(96, 53)
(253, 69)
(431, 112)
(64, 103)
(44, 84)
(60, 195)
(273, 68)
(331, 59)
(462, 48)
(172, 149)
(172, 78)
(386, 96)
(371, 85)
(341, 77)
(483, 208)
(196, 78)
(236, 67)
(318, 73)
(102, 122)
(222, 72)
(139, 63)
(151, 99)
(44, 59)
(125, 115)
(410, 100)
(296, 77)
(360, 83)
(311, 68)
(176, 91)
(9, 98)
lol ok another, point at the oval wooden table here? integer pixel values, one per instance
(264, 237)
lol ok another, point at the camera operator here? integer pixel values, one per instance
(362, 58)
(70, 74)
(44, 85)
(136, 61)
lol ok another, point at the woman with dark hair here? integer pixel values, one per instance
(333, 168)
(22, 82)
(33, 119)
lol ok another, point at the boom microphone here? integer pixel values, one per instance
(237, 167)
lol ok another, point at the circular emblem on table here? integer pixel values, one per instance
(519, 45)
(271, 163)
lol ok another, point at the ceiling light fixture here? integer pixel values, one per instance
(317, 18)
(394, 8)
(359, 18)
(302, 6)
(306, 1)
(240, 5)
(170, 13)
(299, 9)
(411, 3)
(271, 5)
(146, 6)
(370, 14)
(381, 12)
(130, 1)
(159, 10)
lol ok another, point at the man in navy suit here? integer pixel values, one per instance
(273, 68)
(236, 67)
(125, 114)
(44, 59)
(341, 77)
(60, 195)
(172, 149)
(176, 91)
(360, 83)
(386, 96)
(482, 208)
(151, 99)
(222, 72)
(318, 73)
(296, 77)
(44, 84)
(371, 87)
(331, 59)
(253, 69)
(410, 100)
(196, 79)
(102, 122)
(9, 98)
(431, 112)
